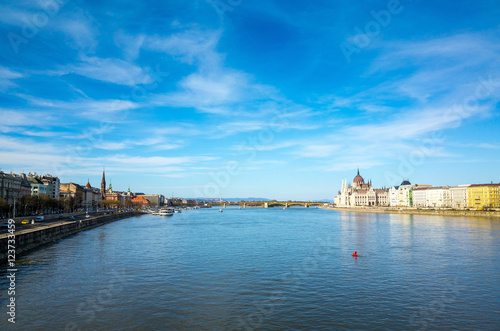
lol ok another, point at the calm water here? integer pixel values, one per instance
(263, 269)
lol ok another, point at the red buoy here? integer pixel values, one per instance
(355, 254)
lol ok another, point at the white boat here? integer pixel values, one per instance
(166, 212)
(177, 211)
(220, 210)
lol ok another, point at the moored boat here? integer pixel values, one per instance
(166, 212)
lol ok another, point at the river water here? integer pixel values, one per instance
(268, 269)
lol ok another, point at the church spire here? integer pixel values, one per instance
(103, 185)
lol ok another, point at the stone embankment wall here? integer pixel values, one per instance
(30, 239)
(438, 212)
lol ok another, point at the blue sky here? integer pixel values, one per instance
(276, 99)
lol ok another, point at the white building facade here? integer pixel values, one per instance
(403, 195)
(438, 197)
(420, 197)
(459, 196)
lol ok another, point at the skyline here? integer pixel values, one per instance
(272, 99)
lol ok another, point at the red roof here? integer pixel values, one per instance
(478, 185)
(358, 180)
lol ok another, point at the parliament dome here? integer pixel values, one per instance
(358, 179)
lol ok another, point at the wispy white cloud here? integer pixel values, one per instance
(68, 19)
(488, 146)
(153, 161)
(26, 145)
(446, 83)
(213, 88)
(129, 44)
(438, 72)
(411, 124)
(99, 110)
(63, 158)
(23, 122)
(463, 50)
(113, 146)
(79, 27)
(7, 78)
(264, 147)
(208, 93)
(158, 143)
(178, 129)
(109, 70)
(318, 151)
(13, 16)
(190, 46)
(345, 166)
(68, 164)
(103, 110)
(273, 127)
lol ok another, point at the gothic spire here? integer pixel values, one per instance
(103, 185)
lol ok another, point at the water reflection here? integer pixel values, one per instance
(268, 269)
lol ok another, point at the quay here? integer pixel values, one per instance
(414, 211)
(31, 238)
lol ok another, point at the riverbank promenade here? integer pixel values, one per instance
(415, 211)
(32, 236)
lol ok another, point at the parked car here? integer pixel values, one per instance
(40, 218)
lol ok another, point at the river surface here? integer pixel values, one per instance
(268, 269)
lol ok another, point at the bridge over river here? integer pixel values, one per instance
(270, 204)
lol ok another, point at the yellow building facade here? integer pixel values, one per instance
(484, 196)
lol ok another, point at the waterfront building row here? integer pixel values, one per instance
(475, 196)
(15, 187)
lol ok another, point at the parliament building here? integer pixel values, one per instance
(361, 194)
